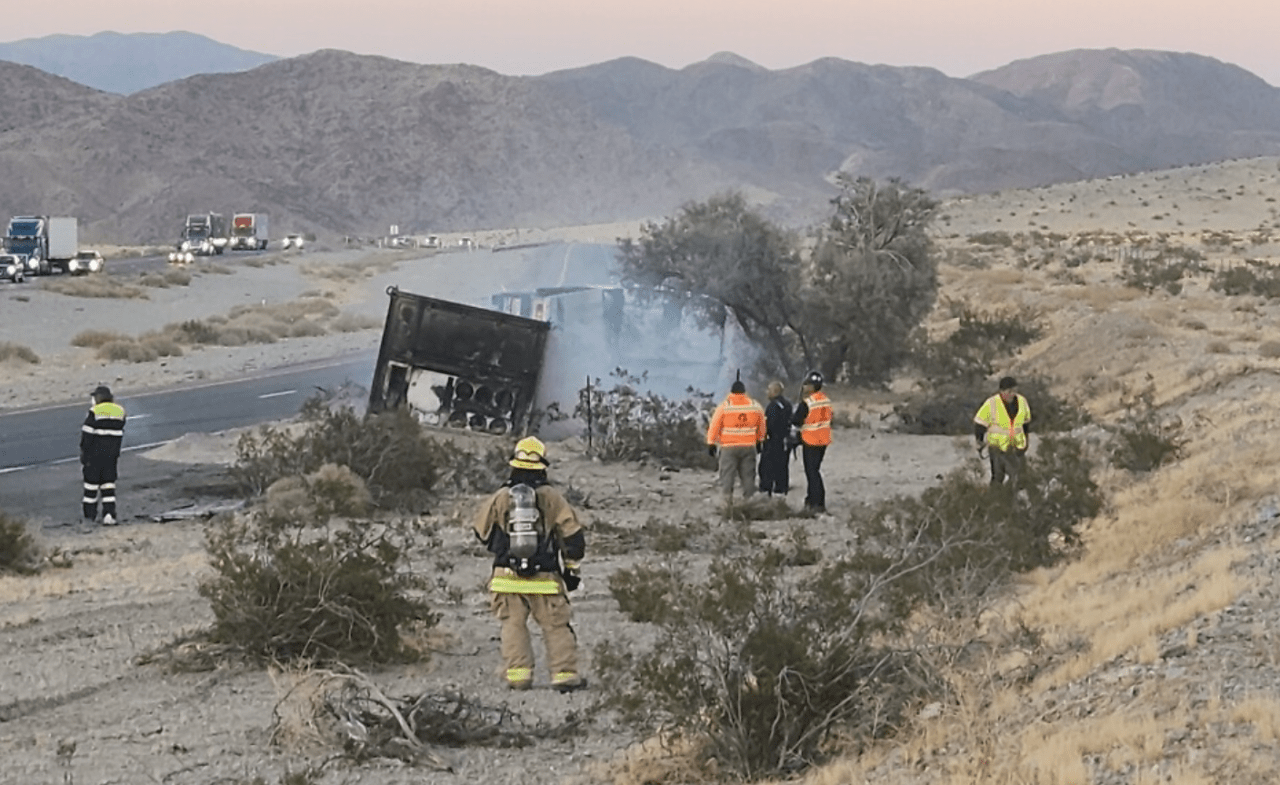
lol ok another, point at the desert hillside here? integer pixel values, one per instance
(1152, 657)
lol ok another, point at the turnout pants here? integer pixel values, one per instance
(99, 483)
(551, 612)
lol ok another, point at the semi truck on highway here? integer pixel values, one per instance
(44, 243)
(203, 234)
(249, 232)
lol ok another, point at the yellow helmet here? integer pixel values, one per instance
(531, 454)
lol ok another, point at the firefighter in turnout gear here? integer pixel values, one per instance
(738, 429)
(811, 430)
(1002, 426)
(537, 545)
(100, 438)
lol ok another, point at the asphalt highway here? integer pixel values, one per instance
(42, 437)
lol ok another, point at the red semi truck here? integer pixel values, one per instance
(249, 232)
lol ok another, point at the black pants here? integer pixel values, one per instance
(1006, 464)
(815, 495)
(775, 475)
(99, 481)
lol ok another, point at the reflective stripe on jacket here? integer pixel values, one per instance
(816, 430)
(737, 422)
(102, 432)
(1004, 433)
(505, 581)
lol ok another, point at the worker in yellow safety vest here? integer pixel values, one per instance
(1002, 426)
(811, 430)
(538, 544)
(736, 435)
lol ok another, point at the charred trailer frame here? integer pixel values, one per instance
(457, 365)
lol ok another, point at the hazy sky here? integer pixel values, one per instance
(959, 37)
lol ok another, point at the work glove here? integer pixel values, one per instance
(711, 450)
(981, 449)
(572, 580)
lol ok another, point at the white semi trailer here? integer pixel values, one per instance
(46, 244)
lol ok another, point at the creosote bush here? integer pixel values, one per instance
(1142, 442)
(306, 576)
(769, 666)
(1165, 271)
(625, 424)
(19, 553)
(390, 451)
(1253, 277)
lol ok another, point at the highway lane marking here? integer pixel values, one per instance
(277, 394)
(307, 367)
(59, 461)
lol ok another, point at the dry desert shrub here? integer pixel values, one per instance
(265, 260)
(342, 708)
(366, 266)
(308, 575)
(19, 552)
(626, 424)
(95, 286)
(162, 344)
(350, 323)
(1217, 347)
(390, 451)
(93, 339)
(126, 351)
(172, 277)
(15, 352)
(772, 669)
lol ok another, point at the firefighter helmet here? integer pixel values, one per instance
(814, 379)
(530, 454)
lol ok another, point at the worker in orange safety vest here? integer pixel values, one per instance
(736, 434)
(811, 429)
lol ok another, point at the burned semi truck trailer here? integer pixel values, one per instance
(456, 365)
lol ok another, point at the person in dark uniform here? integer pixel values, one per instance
(100, 439)
(775, 474)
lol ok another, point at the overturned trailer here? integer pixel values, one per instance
(457, 365)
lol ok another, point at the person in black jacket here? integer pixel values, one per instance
(775, 474)
(100, 438)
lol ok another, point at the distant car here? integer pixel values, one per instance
(292, 241)
(86, 262)
(11, 268)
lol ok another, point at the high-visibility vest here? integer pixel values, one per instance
(737, 422)
(1004, 433)
(816, 430)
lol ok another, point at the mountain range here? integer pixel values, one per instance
(128, 62)
(334, 142)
